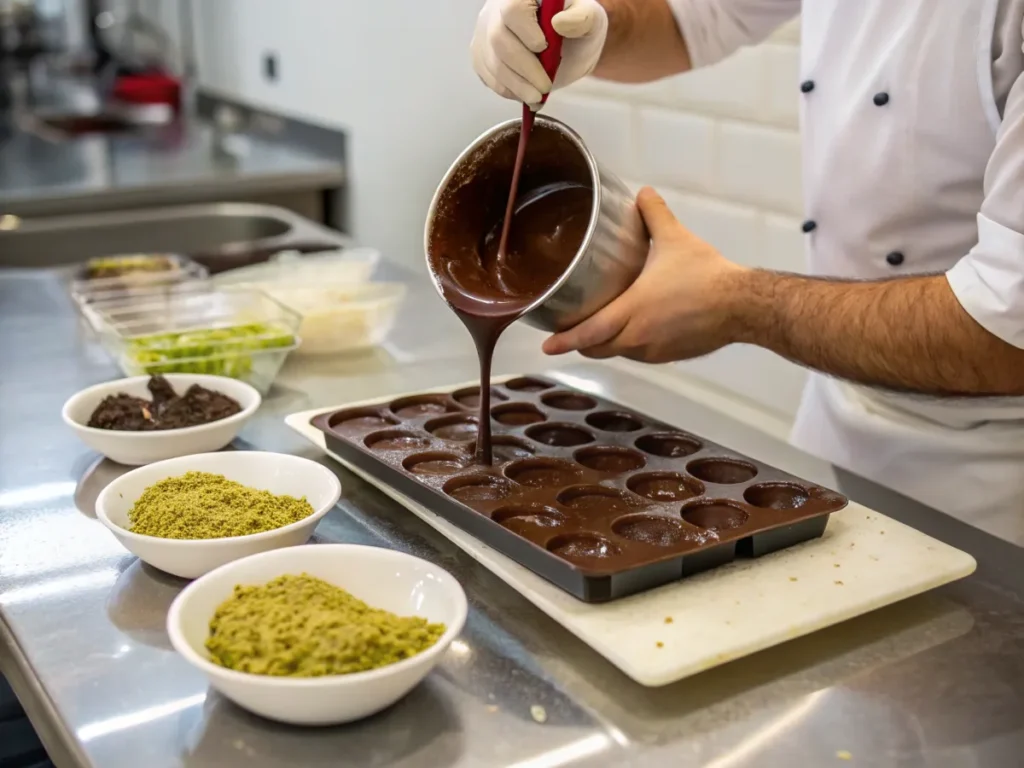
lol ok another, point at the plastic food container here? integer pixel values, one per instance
(95, 306)
(129, 266)
(107, 277)
(241, 333)
(351, 266)
(342, 319)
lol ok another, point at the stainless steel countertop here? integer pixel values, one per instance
(159, 166)
(937, 680)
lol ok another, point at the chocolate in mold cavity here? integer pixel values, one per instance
(579, 547)
(671, 445)
(420, 405)
(610, 459)
(395, 440)
(543, 473)
(457, 427)
(517, 414)
(360, 420)
(559, 435)
(594, 500)
(506, 448)
(434, 463)
(528, 384)
(776, 495)
(721, 471)
(714, 515)
(664, 486)
(614, 421)
(469, 397)
(568, 401)
(527, 519)
(493, 254)
(651, 529)
(475, 488)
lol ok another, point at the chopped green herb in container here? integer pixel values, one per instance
(252, 352)
(239, 332)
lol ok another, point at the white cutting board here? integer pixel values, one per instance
(864, 561)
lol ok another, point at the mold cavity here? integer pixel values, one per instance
(458, 426)
(528, 384)
(671, 445)
(594, 499)
(650, 529)
(559, 435)
(776, 496)
(434, 463)
(420, 405)
(722, 471)
(614, 421)
(569, 401)
(506, 448)
(395, 440)
(610, 459)
(523, 518)
(582, 546)
(664, 486)
(542, 473)
(360, 420)
(517, 414)
(469, 397)
(714, 515)
(471, 489)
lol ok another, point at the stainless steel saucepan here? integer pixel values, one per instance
(614, 247)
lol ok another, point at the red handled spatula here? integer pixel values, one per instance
(550, 58)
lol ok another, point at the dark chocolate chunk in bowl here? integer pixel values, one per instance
(603, 502)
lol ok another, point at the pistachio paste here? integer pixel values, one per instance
(301, 626)
(202, 505)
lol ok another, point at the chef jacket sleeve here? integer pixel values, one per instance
(713, 29)
(989, 281)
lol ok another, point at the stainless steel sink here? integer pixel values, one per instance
(219, 235)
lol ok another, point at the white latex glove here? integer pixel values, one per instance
(508, 38)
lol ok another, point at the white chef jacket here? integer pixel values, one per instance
(912, 117)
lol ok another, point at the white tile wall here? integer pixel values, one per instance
(722, 145)
(676, 149)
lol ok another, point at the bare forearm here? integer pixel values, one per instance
(906, 334)
(644, 43)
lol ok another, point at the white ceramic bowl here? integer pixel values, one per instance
(383, 578)
(134, 448)
(189, 558)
